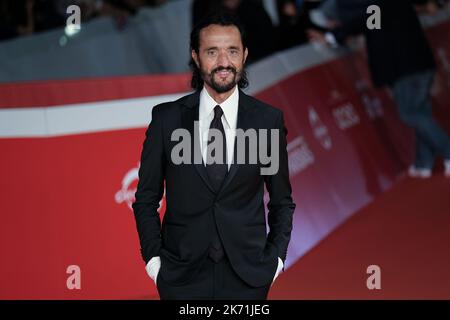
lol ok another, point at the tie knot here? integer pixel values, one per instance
(218, 112)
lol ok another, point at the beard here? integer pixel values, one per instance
(218, 85)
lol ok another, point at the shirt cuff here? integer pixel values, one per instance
(279, 269)
(280, 265)
(153, 267)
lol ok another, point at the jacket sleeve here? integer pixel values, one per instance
(150, 188)
(281, 207)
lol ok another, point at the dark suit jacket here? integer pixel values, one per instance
(400, 48)
(192, 206)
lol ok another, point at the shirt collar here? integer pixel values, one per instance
(229, 106)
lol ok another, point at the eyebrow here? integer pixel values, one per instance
(216, 48)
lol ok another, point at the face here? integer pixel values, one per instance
(221, 57)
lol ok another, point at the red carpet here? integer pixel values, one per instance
(405, 231)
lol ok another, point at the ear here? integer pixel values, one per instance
(245, 54)
(194, 56)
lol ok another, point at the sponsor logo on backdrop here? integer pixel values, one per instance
(373, 106)
(128, 189)
(320, 130)
(372, 103)
(345, 116)
(300, 155)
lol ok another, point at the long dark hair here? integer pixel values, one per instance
(221, 18)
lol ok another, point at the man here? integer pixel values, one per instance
(212, 243)
(401, 58)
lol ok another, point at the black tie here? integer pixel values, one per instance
(217, 173)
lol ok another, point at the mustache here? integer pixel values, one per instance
(218, 69)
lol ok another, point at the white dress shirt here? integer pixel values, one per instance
(229, 121)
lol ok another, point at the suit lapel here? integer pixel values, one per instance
(244, 123)
(190, 115)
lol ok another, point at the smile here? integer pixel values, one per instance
(223, 73)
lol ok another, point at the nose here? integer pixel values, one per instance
(223, 59)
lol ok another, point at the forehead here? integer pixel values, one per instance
(217, 35)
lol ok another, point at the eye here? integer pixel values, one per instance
(234, 51)
(211, 53)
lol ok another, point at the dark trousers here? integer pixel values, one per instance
(412, 95)
(214, 281)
